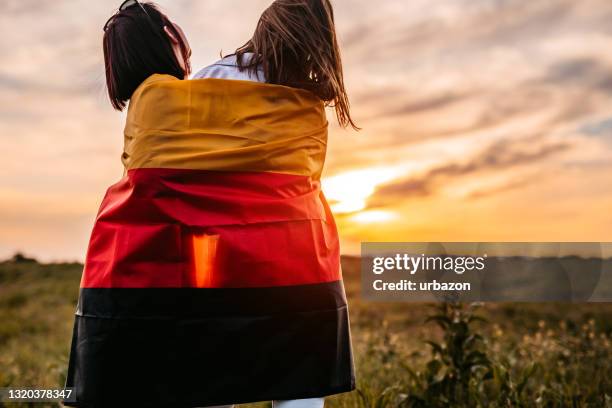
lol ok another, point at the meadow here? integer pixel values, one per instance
(406, 354)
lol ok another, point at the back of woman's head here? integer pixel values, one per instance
(135, 47)
(295, 45)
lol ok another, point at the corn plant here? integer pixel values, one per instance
(459, 365)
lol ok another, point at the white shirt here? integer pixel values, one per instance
(227, 68)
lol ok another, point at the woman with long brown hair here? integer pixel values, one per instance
(294, 45)
(213, 273)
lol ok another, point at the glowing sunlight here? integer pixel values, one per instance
(347, 192)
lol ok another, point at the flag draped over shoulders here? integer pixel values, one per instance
(212, 274)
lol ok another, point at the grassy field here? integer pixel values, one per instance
(549, 355)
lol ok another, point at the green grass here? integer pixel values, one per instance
(549, 355)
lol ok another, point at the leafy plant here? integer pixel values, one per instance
(459, 364)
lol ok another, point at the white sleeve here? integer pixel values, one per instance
(226, 69)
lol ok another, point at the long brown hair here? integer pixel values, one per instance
(295, 45)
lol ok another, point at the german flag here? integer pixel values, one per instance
(212, 274)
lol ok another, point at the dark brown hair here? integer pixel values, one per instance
(135, 47)
(295, 45)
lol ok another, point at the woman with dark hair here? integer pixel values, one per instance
(139, 41)
(213, 273)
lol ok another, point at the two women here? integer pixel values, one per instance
(212, 274)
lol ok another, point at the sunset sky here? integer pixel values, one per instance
(483, 120)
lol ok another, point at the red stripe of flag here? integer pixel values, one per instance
(197, 228)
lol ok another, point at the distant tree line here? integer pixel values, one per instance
(19, 257)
